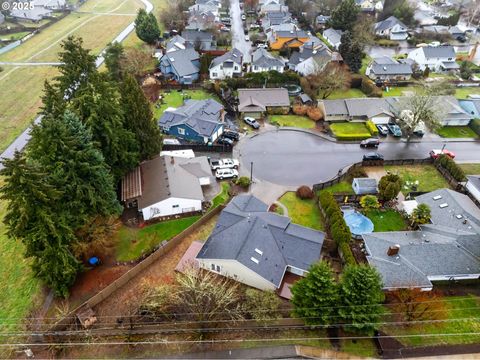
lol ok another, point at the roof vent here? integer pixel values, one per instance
(444, 205)
(458, 216)
(254, 260)
(260, 252)
(384, 68)
(437, 197)
(393, 250)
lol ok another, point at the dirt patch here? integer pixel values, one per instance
(375, 172)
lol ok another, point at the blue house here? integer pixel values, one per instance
(182, 65)
(199, 121)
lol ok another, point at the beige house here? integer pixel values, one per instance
(256, 102)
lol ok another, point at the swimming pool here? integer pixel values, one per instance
(358, 223)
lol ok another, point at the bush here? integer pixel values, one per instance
(338, 228)
(243, 181)
(299, 109)
(314, 113)
(475, 125)
(304, 192)
(278, 111)
(262, 305)
(451, 166)
(356, 82)
(357, 172)
(369, 202)
(351, 137)
(389, 186)
(370, 89)
(371, 127)
(347, 254)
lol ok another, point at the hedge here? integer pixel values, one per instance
(475, 126)
(334, 216)
(347, 254)
(451, 166)
(371, 127)
(352, 137)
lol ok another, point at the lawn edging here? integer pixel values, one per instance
(117, 284)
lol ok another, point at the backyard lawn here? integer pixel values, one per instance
(341, 187)
(292, 121)
(302, 212)
(388, 220)
(222, 197)
(463, 92)
(175, 99)
(350, 93)
(470, 169)
(398, 91)
(457, 132)
(133, 242)
(428, 177)
(350, 131)
(456, 307)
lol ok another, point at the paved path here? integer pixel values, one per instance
(20, 142)
(238, 37)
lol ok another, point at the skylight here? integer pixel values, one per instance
(254, 260)
(444, 205)
(438, 197)
(260, 252)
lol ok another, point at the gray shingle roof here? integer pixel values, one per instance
(307, 52)
(439, 52)
(474, 180)
(182, 61)
(195, 35)
(245, 225)
(388, 66)
(332, 35)
(357, 107)
(263, 58)
(234, 55)
(388, 23)
(263, 97)
(203, 116)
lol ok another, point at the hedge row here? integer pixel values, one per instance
(451, 166)
(475, 125)
(371, 127)
(367, 86)
(338, 228)
(352, 137)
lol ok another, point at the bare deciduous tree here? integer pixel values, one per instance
(415, 305)
(136, 61)
(333, 77)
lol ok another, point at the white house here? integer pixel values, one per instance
(333, 37)
(309, 60)
(473, 186)
(227, 66)
(388, 69)
(262, 61)
(436, 58)
(166, 185)
(392, 28)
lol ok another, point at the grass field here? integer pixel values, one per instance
(293, 121)
(456, 132)
(132, 243)
(175, 99)
(428, 177)
(341, 187)
(398, 91)
(471, 169)
(302, 212)
(350, 130)
(388, 220)
(350, 93)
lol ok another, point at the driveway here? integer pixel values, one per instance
(293, 158)
(238, 37)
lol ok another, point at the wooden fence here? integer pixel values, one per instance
(125, 278)
(199, 147)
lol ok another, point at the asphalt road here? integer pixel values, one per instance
(238, 37)
(295, 158)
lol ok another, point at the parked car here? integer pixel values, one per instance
(262, 46)
(226, 174)
(435, 153)
(395, 130)
(231, 135)
(244, 17)
(461, 38)
(252, 122)
(247, 38)
(372, 142)
(254, 26)
(372, 156)
(224, 164)
(171, 142)
(382, 130)
(225, 29)
(223, 140)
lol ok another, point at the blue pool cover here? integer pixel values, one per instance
(358, 223)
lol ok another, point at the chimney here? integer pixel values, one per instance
(393, 250)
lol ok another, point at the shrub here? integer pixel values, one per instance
(369, 202)
(262, 305)
(314, 113)
(370, 89)
(451, 167)
(357, 172)
(356, 82)
(243, 181)
(278, 111)
(304, 192)
(475, 125)
(389, 186)
(371, 127)
(347, 254)
(299, 109)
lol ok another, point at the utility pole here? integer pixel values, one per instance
(251, 172)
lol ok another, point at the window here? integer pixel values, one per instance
(218, 268)
(213, 267)
(255, 67)
(214, 74)
(235, 68)
(175, 206)
(181, 131)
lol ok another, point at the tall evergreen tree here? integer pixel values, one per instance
(138, 118)
(351, 52)
(114, 55)
(344, 15)
(146, 27)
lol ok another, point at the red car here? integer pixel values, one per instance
(437, 152)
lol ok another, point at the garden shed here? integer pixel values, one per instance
(363, 186)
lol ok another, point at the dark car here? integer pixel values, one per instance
(225, 141)
(372, 156)
(231, 135)
(372, 142)
(382, 130)
(461, 38)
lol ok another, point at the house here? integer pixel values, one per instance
(202, 20)
(52, 4)
(309, 60)
(203, 8)
(333, 37)
(255, 102)
(166, 186)
(273, 6)
(370, 5)
(455, 31)
(176, 43)
(472, 107)
(183, 66)
(262, 61)
(357, 109)
(305, 99)
(227, 66)
(321, 21)
(270, 32)
(272, 18)
(473, 186)
(199, 121)
(259, 248)
(290, 39)
(436, 58)
(447, 249)
(392, 28)
(388, 69)
(313, 42)
(37, 13)
(364, 186)
(200, 39)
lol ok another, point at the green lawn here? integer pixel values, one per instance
(175, 99)
(15, 36)
(456, 132)
(457, 307)
(132, 242)
(388, 220)
(222, 197)
(302, 212)
(428, 177)
(350, 130)
(398, 90)
(365, 62)
(341, 187)
(292, 121)
(463, 92)
(350, 93)
(470, 169)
